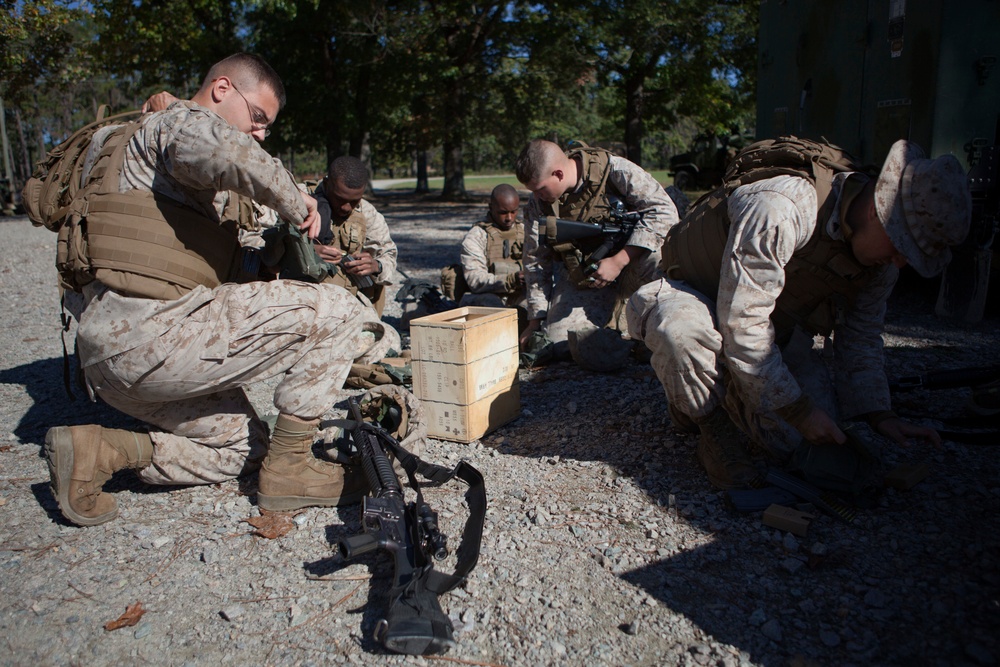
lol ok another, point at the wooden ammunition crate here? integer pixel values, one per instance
(463, 335)
(465, 423)
(464, 383)
(465, 370)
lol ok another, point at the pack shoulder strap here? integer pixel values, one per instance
(49, 193)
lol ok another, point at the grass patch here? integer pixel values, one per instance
(488, 182)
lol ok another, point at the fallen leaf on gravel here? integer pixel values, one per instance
(272, 525)
(132, 614)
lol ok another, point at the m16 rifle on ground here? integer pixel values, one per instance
(415, 623)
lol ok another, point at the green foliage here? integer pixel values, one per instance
(465, 84)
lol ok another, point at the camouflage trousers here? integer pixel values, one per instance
(204, 428)
(677, 324)
(576, 309)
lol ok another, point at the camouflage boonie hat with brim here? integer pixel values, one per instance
(925, 206)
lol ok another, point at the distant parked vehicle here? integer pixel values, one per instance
(703, 166)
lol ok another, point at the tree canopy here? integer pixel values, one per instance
(462, 84)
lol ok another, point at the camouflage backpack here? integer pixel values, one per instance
(453, 285)
(49, 193)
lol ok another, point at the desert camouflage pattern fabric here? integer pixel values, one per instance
(550, 293)
(377, 238)
(204, 149)
(181, 365)
(484, 284)
(696, 341)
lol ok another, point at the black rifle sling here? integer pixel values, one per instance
(472, 534)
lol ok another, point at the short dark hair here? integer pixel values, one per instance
(504, 191)
(348, 171)
(249, 70)
(533, 159)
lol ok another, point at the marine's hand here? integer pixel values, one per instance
(363, 264)
(904, 432)
(329, 253)
(608, 270)
(311, 225)
(532, 327)
(818, 427)
(514, 281)
(158, 102)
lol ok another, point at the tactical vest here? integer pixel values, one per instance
(591, 202)
(504, 248)
(144, 245)
(819, 278)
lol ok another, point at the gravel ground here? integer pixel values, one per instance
(604, 544)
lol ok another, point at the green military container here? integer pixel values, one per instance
(864, 73)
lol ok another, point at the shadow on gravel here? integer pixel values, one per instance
(51, 406)
(913, 581)
(375, 589)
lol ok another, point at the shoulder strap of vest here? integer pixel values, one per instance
(596, 167)
(789, 156)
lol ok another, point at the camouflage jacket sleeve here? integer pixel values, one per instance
(857, 343)
(538, 258)
(770, 220)
(644, 194)
(193, 155)
(379, 243)
(475, 265)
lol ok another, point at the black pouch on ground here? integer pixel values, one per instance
(849, 470)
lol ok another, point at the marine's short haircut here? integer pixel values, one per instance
(534, 160)
(250, 71)
(349, 172)
(504, 191)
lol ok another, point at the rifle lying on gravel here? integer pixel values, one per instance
(984, 403)
(958, 377)
(414, 623)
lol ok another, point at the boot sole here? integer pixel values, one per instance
(59, 454)
(290, 503)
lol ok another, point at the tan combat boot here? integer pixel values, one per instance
(292, 478)
(722, 453)
(82, 458)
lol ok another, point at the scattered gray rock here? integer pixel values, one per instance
(604, 544)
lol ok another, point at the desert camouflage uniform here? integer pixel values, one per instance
(180, 365)
(553, 296)
(486, 288)
(689, 333)
(377, 239)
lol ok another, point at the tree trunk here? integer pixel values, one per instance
(634, 88)
(423, 183)
(454, 174)
(454, 169)
(25, 171)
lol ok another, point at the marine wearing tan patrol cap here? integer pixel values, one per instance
(924, 205)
